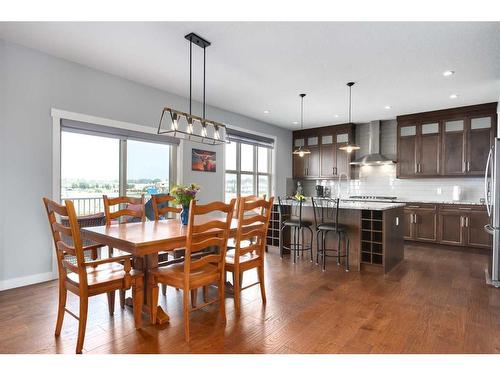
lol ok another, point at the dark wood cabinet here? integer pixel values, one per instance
(312, 162)
(450, 227)
(447, 224)
(449, 143)
(476, 236)
(480, 137)
(421, 222)
(418, 150)
(326, 160)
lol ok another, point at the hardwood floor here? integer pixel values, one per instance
(436, 301)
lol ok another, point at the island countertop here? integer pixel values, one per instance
(350, 205)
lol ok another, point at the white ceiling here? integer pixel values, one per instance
(252, 67)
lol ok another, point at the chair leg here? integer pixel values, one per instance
(347, 253)
(153, 285)
(185, 298)
(262, 284)
(222, 297)
(318, 245)
(111, 302)
(194, 297)
(63, 293)
(237, 290)
(323, 252)
(82, 323)
(311, 243)
(338, 249)
(138, 298)
(205, 293)
(164, 289)
(122, 298)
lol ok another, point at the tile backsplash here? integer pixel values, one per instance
(381, 180)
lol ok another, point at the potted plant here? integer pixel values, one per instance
(183, 195)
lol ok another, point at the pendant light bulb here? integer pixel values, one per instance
(190, 125)
(301, 153)
(216, 132)
(204, 130)
(175, 122)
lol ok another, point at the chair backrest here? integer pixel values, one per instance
(63, 234)
(202, 234)
(290, 208)
(157, 200)
(253, 222)
(325, 210)
(247, 198)
(126, 211)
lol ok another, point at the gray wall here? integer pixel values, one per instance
(33, 83)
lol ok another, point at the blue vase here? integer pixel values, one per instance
(185, 215)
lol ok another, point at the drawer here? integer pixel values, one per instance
(463, 207)
(414, 206)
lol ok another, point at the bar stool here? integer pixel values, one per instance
(326, 220)
(290, 215)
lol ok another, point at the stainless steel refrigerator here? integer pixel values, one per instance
(492, 197)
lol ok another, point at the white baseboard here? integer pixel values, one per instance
(27, 280)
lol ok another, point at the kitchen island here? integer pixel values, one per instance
(375, 230)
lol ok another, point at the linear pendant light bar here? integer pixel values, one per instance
(186, 125)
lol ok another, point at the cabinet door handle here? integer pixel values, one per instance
(467, 218)
(462, 221)
(397, 221)
(468, 166)
(414, 218)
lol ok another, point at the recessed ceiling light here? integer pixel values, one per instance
(266, 112)
(453, 96)
(448, 73)
(295, 122)
(387, 107)
(336, 116)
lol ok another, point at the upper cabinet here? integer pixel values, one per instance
(451, 142)
(325, 159)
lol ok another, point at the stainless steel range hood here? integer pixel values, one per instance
(374, 157)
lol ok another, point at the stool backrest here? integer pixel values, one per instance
(325, 210)
(290, 209)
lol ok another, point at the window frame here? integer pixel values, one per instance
(255, 173)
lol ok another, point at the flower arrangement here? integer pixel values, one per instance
(300, 197)
(184, 194)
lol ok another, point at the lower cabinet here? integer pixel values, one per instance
(421, 222)
(459, 225)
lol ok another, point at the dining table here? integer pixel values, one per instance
(144, 240)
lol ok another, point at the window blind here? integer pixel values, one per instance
(112, 132)
(248, 138)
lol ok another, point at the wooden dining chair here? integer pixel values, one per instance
(88, 277)
(202, 269)
(128, 209)
(253, 221)
(165, 209)
(160, 210)
(134, 208)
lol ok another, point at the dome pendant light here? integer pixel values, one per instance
(301, 150)
(350, 146)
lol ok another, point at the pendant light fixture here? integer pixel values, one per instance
(186, 125)
(350, 146)
(301, 150)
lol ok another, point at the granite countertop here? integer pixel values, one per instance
(376, 206)
(475, 203)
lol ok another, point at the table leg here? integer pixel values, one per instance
(145, 264)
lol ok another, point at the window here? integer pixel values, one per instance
(248, 170)
(93, 165)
